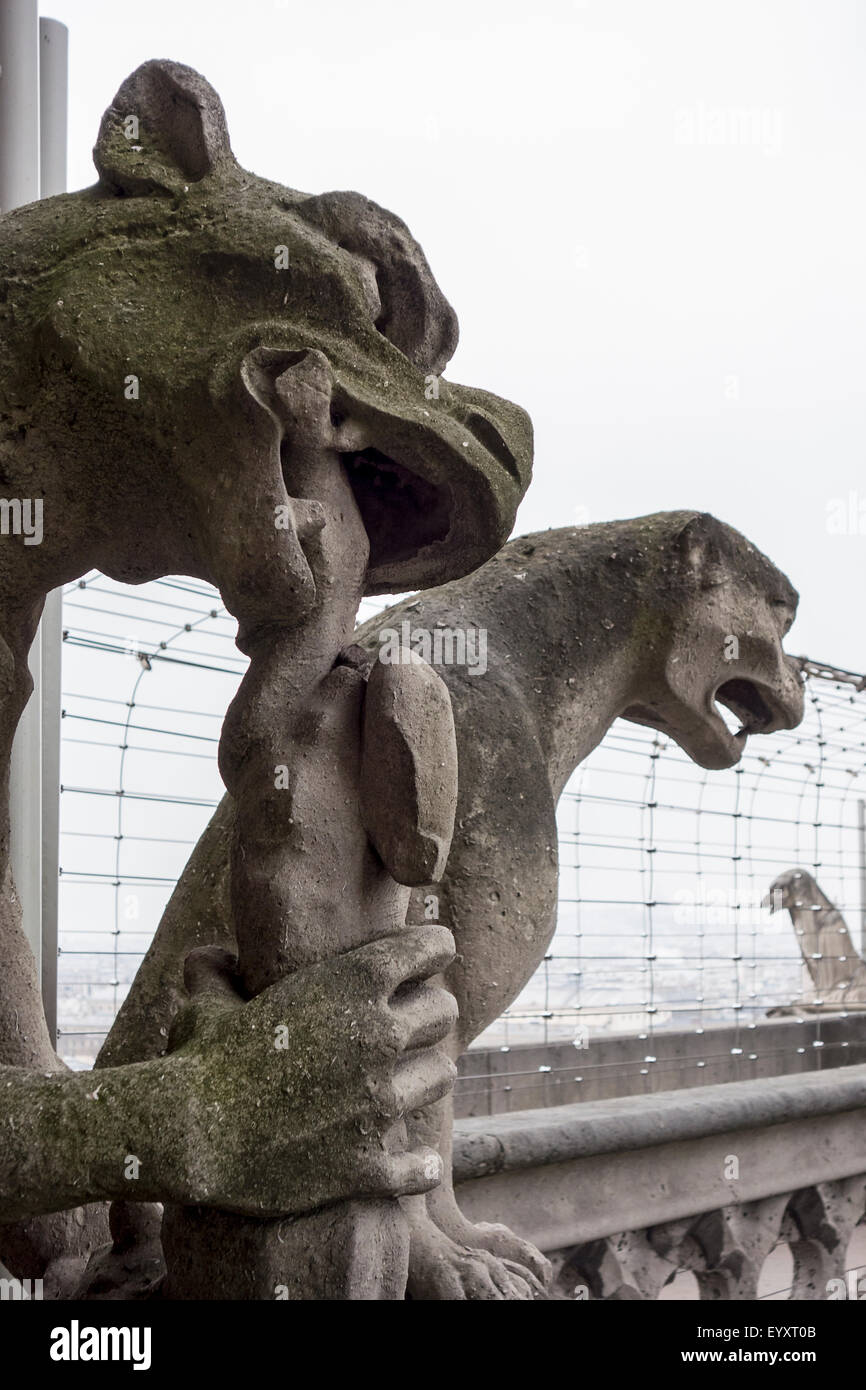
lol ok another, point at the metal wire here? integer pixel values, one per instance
(662, 865)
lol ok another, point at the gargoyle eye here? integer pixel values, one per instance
(782, 608)
(368, 273)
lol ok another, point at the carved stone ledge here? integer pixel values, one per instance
(623, 1195)
(725, 1250)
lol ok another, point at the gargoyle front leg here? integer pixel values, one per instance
(451, 1258)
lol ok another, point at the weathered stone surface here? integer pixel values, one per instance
(409, 769)
(356, 1250)
(133, 1265)
(623, 1195)
(245, 373)
(628, 618)
(177, 284)
(204, 372)
(198, 913)
(560, 1134)
(269, 1107)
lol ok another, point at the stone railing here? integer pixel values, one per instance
(627, 1195)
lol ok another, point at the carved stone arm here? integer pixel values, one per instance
(269, 1108)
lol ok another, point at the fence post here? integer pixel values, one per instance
(26, 158)
(53, 104)
(19, 184)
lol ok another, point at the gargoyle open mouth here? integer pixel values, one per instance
(758, 711)
(402, 512)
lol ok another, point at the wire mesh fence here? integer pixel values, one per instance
(663, 866)
(147, 675)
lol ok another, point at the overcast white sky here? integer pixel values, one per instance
(649, 215)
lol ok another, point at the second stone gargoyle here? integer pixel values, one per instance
(628, 619)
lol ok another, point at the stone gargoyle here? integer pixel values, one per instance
(630, 619)
(836, 971)
(203, 372)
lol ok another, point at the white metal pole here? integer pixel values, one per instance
(33, 106)
(19, 103)
(53, 105)
(19, 183)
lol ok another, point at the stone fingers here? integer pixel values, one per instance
(418, 1079)
(338, 1171)
(404, 1174)
(414, 954)
(422, 1078)
(424, 1013)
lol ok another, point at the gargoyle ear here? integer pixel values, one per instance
(412, 313)
(165, 128)
(704, 545)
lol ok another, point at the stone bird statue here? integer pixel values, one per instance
(835, 968)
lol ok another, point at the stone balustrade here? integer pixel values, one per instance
(625, 1195)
